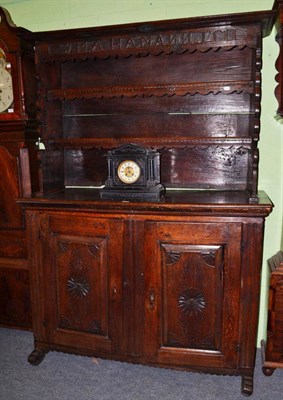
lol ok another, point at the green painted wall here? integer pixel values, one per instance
(39, 15)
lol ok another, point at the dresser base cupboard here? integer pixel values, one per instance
(175, 289)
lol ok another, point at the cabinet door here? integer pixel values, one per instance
(77, 282)
(192, 293)
(10, 212)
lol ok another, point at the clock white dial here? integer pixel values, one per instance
(129, 171)
(6, 90)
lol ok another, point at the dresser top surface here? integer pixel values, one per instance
(184, 202)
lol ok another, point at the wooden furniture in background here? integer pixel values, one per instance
(278, 7)
(18, 136)
(272, 350)
(173, 283)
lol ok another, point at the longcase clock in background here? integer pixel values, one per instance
(18, 138)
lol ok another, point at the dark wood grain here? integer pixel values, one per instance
(164, 69)
(15, 310)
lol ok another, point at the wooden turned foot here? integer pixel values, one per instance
(36, 356)
(268, 371)
(247, 385)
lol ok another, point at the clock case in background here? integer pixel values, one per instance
(18, 138)
(146, 187)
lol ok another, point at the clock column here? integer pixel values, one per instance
(18, 138)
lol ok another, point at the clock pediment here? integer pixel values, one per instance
(130, 148)
(8, 30)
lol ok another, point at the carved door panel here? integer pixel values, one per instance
(192, 293)
(79, 277)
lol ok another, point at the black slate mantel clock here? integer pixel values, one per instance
(133, 174)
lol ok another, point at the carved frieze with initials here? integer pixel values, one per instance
(153, 42)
